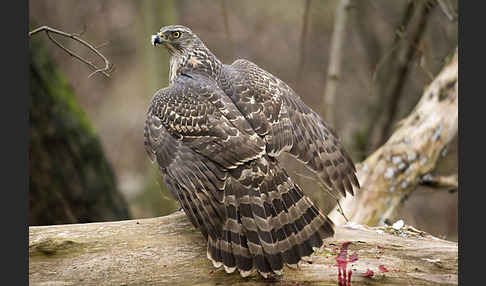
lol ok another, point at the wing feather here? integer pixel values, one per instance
(276, 112)
(186, 174)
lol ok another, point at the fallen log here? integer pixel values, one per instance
(170, 251)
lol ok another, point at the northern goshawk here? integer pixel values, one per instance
(216, 132)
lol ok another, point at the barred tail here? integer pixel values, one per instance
(269, 223)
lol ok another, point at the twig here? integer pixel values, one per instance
(102, 45)
(450, 182)
(85, 28)
(334, 70)
(105, 70)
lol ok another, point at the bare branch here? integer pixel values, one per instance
(71, 52)
(392, 71)
(102, 45)
(410, 54)
(450, 182)
(334, 69)
(106, 70)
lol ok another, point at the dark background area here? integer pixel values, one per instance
(272, 36)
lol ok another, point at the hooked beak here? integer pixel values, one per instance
(156, 39)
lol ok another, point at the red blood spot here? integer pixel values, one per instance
(369, 273)
(211, 271)
(353, 257)
(382, 268)
(342, 262)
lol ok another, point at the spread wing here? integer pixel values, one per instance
(276, 112)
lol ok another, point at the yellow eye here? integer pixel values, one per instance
(176, 35)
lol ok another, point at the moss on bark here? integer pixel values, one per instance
(70, 180)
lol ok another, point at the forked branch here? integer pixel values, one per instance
(448, 182)
(106, 70)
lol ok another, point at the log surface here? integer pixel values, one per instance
(170, 251)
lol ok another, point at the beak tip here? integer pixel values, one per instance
(155, 40)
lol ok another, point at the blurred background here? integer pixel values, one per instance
(89, 164)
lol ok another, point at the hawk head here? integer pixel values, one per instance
(179, 40)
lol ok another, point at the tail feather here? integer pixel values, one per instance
(214, 252)
(235, 253)
(257, 231)
(271, 257)
(229, 260)
(303, 245)
(269, 222)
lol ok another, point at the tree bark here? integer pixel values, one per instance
(392, 172)
(170, 251)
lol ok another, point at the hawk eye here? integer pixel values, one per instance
(176, 34)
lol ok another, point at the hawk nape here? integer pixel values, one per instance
(216, 132)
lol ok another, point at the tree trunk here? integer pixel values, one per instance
(392, 172)
(335, 59)
(170, 251)
(70, 179)
(391, 72)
